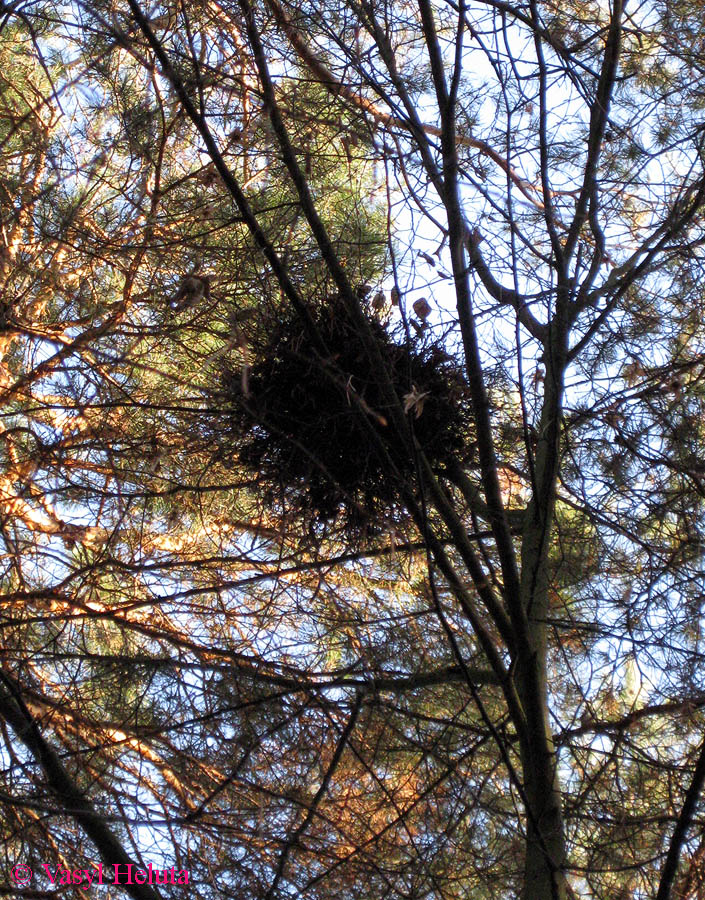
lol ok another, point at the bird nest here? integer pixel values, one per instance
(313, 419)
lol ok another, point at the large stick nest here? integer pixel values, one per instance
(313, 419)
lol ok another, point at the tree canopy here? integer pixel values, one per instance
(352, 458)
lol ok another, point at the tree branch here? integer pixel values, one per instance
(73, 801)
(670, 867)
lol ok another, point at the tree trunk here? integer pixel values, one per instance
(544, 875)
